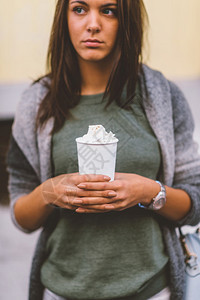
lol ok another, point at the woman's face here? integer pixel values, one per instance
(93, 27)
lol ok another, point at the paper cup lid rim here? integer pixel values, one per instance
(89, 143)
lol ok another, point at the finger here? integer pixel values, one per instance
(92, 201)
(99, 207)
(104, 193)
(69, 200)
(117, 206)
(92, 178)
(68, 206)
(62, 204)
(74, 200)
(70, 190)
(97, 186)
(71, 207)
(81, 210)
(91, 210)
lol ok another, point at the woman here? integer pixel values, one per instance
(103, 239)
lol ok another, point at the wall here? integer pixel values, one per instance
(174, 41)
(174, 37)
(24, 33)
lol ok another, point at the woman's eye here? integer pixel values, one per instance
(109, 12)
(79, 10)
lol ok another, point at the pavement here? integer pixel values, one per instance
(16, 248)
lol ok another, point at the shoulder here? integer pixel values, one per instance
(25, 117)
(27, 108)
(164, 100)
(153, 79)
(157, 86)
(156, 80)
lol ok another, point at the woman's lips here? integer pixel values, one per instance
(92, 43)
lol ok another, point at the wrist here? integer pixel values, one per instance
(157, 201)
(45, 196)
(152, 188)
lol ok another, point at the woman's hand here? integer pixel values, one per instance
(128, 190)
(33, 209)
(62, 190)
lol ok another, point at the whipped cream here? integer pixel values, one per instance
(97, 135)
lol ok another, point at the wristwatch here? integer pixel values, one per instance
(158, 201)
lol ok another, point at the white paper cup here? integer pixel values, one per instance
(97, 158)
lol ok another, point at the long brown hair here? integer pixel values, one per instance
(64, 86)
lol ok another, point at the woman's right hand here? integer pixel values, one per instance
(32, 210)
(62, 190)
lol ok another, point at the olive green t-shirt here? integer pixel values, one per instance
(114, 254)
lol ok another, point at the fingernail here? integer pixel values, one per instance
(82, 186)
(106, 177)
(77, 201)
(109, 206)
(80, 210)
(112, 194)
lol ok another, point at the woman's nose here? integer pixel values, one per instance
(94, 23)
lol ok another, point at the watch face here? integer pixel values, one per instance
(159, 203)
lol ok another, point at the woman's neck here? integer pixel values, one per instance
(95, 76)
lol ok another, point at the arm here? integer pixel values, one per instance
(30, 199)
(22, 181)
(187, 158)
(132, 189)
(32, 210)
(178, 204)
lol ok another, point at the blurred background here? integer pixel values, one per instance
(173, 47)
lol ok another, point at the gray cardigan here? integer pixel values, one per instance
(171, 120)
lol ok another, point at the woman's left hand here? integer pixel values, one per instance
(128, 190)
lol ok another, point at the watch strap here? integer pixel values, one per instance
(156, 198)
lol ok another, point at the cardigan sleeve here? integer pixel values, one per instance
(187, 159)
(23, 159)
(22, 177)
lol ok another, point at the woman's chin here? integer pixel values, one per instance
(93, 59)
